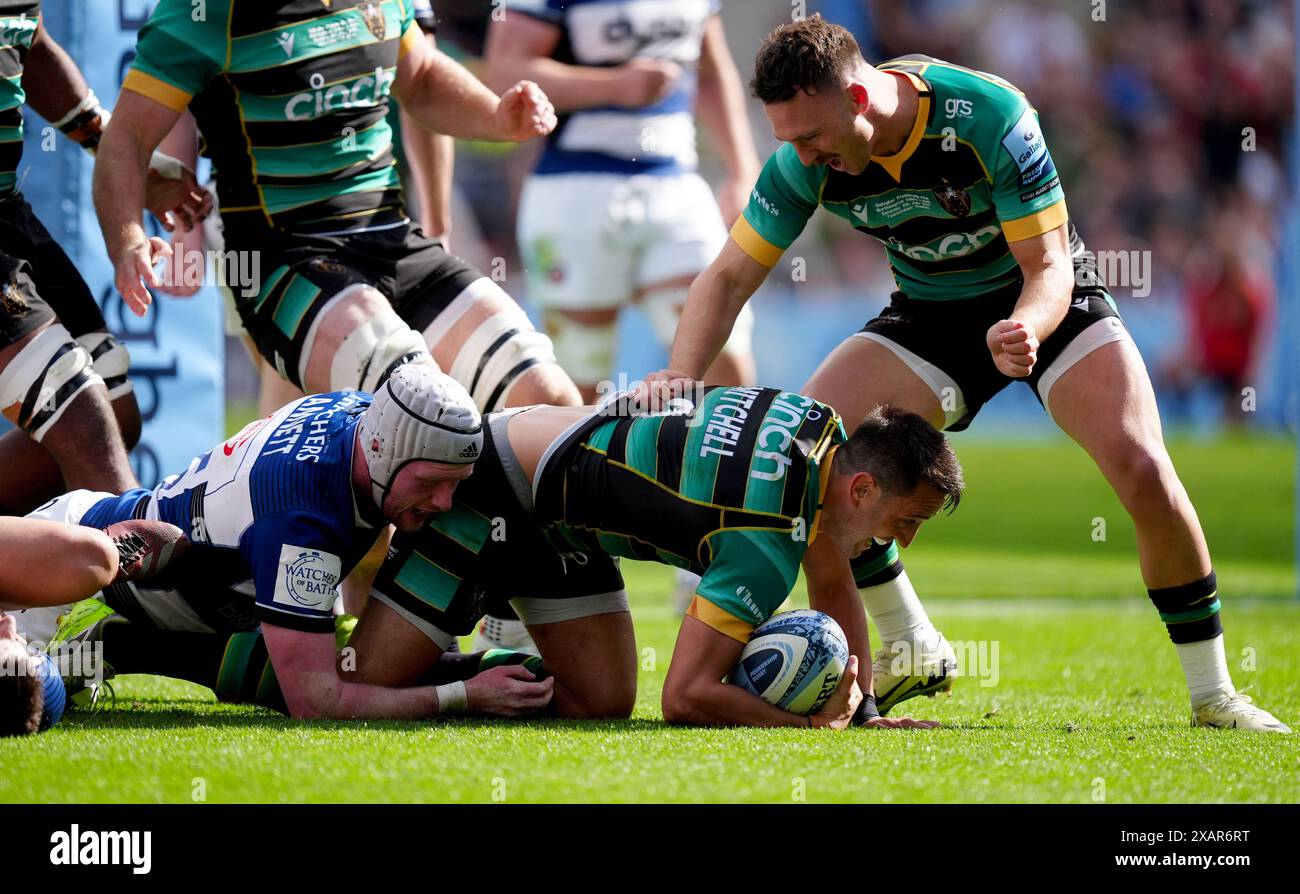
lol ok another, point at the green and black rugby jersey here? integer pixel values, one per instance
(731, 490)
(974, 175)
(291, 99)
(18, 23)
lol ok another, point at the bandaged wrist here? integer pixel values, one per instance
(452, 698)
(166, 166)
(85, 122)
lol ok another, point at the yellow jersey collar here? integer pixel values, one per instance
(823, 478)
(894, 163)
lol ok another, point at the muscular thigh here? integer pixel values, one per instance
(861, 374)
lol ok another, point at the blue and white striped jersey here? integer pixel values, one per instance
(274, 505)
(655, 139)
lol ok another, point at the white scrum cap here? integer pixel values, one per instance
(418, 414)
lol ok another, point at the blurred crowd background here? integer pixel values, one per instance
(1171, 122)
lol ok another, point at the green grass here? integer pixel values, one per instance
(1088, 699)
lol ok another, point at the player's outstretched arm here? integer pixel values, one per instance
(519, 48)
(715, 299)
(305, 666)
(721, 109)
(1044, 301)
(444, 97)
(695, 696)
(51, 563)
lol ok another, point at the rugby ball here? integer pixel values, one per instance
(794, 660)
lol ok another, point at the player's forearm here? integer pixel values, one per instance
(1044, 300)
(843, 603)
(431, 158)
(445, 98)
(53, 83)
(569, 87)
(119, 188)
(720, 105)
(358, 701)
(712, 306)
(711, 703)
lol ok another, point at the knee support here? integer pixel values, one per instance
(45, 378)
(368, 355)
(496, 354)
(661, 306)
(111, 360)
(585, 352)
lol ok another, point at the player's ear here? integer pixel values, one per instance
(861, 100)
(864, 487)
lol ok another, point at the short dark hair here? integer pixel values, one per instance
(903, 451)
(810, 55)
(22, 697)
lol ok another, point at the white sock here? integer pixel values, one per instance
(1206, 667)
(899, 615)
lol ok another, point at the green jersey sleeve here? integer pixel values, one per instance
(786, 195)
(751, 574)
(1027, 195)
(180, 49)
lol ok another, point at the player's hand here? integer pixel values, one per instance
(900, 723)
(641, 82)
(838, 711)
(187, 252)
(656, 389)
(1014, 346)
(182, 202)
(134, 265)
(509, 691)
(523, 113)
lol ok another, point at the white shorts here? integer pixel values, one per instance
(592, 241)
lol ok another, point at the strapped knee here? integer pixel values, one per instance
(111, 360)
(499, 350)
(45, 378)
(372, 351)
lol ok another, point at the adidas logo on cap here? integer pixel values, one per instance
(470, 451)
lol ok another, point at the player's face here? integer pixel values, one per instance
(873, 514)
(824, 129)
(420, 490)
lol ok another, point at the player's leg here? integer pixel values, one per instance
(588, 645)
(69, 436)
(1099, 393)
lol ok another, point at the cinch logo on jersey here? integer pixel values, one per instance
(286, 437)
(308, 577)
(954, 245)
(89, 848)
(791, 407)
(365, 92)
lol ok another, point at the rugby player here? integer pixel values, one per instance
(949, 168)
(283, 510)
(733, 488)
(291, 101)
(63, 377)
(615, 212)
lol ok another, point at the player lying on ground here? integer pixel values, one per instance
(63, 377)
(734, 488)
(38, 558)
(284, 510)
(948, 167)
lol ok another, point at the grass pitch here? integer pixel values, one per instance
(1073, 692)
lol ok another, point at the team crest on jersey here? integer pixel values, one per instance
(955, 201)
(373, 14)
